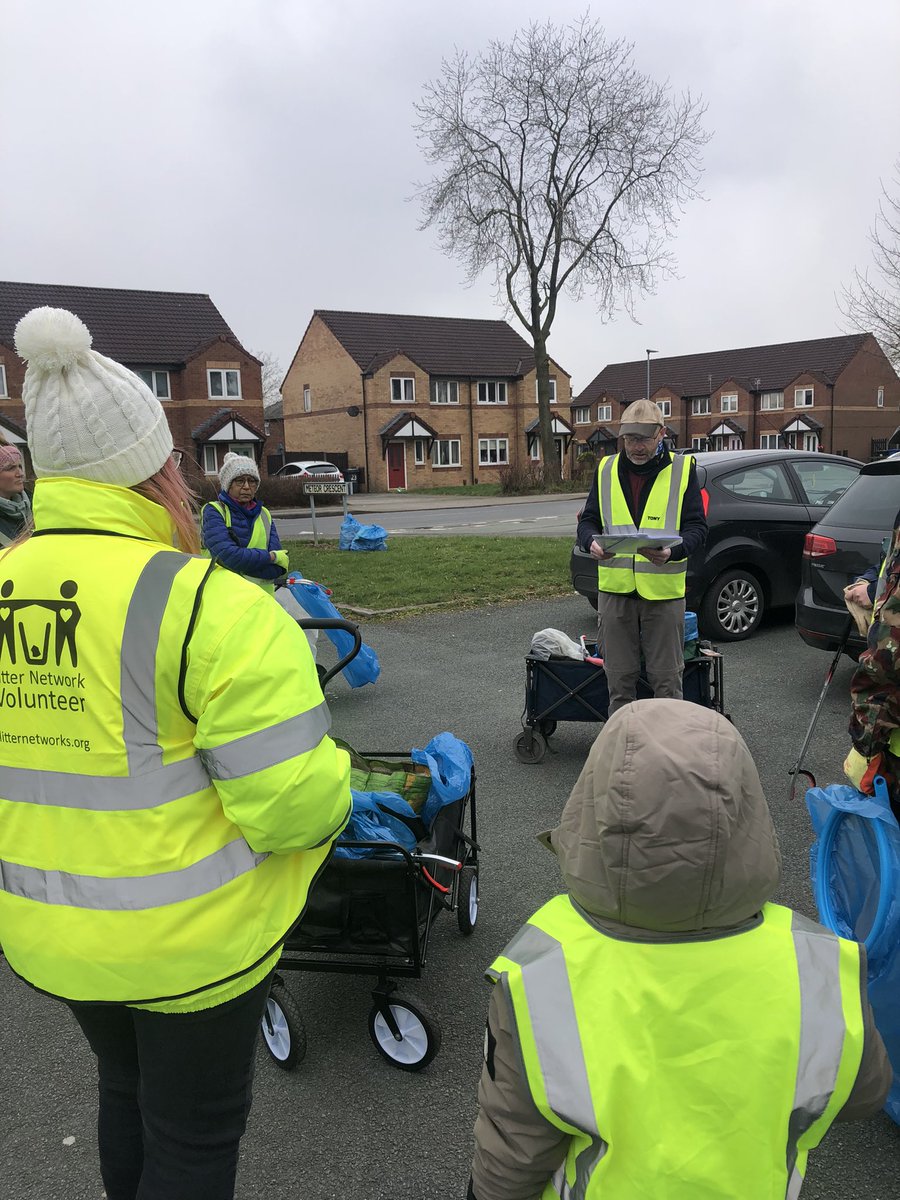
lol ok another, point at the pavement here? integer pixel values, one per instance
(394, 502)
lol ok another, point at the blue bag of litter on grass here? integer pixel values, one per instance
(314, 600)
(378, 817)
(450, 762)
(855, 868)
(356, 536)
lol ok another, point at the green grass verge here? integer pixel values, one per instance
(474, 489)
(452, 572)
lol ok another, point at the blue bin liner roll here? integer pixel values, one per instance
(313, 599)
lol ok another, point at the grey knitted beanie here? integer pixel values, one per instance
(86, 416)
(234, 465)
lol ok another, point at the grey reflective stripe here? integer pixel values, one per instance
(267, 523)
(645, 567)
(140, 641)
(822, 1031)
(268, 747)
(104, 793)
(604, 498)
(585, 1165)
(132, 893)
(795, 1183)
(554, 1026)
(678, 469)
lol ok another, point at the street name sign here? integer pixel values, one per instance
(327, 489)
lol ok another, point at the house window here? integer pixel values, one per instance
(445, 452)
(604, 412)
(244, 449)
(157, 382)
(493, 451)
(699, 443)
(535, 453)
(582, 415)
(803, 397)
(403, 390)
(700, 406)
(224, 384)
(768, 441)
(729, 403)
(419, 452)
(210, 465)
(4, 392)
(552, 391)
(307, 399)
(665, 407)
(879, 396)
(491, 391)
(771, 401)
(445, 391)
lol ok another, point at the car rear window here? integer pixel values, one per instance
(870, 502)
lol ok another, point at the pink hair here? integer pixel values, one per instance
(168, 489)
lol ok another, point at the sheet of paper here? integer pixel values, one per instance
(619, 544)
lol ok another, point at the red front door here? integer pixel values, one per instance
(396, 461)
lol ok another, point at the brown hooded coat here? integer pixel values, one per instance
(666, 837)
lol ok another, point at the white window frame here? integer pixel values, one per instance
(307, 398)
(454, 452)
(3, 392)
(811, 441)
(450, 389)
(768, 441)
(223, 373)
(209, 453)
(153, 382)
(699, 442)
(728, 403)
(489, 387)
(552, 391)
(771, 401)
(697, 408)
(401, 381)
(803, 392)
(581, 414)
(604, 412)
(665, 407)
(419, 452)
(879, 396)
(535, 452)
(502, 449)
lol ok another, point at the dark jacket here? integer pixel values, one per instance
(229, 546)
(693, 520)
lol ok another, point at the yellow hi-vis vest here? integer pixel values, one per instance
(626, 574)
(689, 1070)
(259, 538)
(168, 791)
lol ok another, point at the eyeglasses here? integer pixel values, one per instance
(639, 438)
(177, 456)
(245, 481)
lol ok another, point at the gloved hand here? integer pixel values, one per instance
(862, 771)
(281, 559)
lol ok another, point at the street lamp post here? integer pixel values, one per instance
(649, 352)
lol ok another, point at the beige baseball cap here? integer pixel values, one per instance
(642, 417)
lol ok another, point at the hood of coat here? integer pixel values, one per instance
(667, 827)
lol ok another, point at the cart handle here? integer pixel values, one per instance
(334, 623)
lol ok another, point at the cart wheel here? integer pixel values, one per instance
(547, 727)
(419, 1034)
(531, 746)
(282, 1028)
(467, 909)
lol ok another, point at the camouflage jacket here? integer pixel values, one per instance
(875, 686)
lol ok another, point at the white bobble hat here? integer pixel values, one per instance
(86, 416)
(234, 465)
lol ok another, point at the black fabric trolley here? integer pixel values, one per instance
(566, 689)
(373, 915)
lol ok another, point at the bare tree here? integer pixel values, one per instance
(871, 304)
(272, 375)
(561, 167)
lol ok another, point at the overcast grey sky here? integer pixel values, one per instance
(262, 151)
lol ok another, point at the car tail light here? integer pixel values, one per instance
(816, 546)
(704, 496)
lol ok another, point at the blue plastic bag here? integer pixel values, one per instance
(855, 869)
(378, 817)
(450, 762)
(313, 599)
(356, 536)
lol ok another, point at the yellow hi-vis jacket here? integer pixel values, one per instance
(689, 1070)
(626, 574)
(259, 539)
(168, 791)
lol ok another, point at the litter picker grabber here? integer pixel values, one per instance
(797, 768)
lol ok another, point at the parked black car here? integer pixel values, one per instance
(851, 537)
(760, 504)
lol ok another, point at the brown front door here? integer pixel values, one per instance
(396, 460)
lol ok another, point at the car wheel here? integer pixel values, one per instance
(733, 606)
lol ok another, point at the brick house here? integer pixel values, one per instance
(210, 386)
(418, 402)
(837, 394)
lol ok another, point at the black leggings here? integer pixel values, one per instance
(175, 1093)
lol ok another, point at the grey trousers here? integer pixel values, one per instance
(625, 625)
